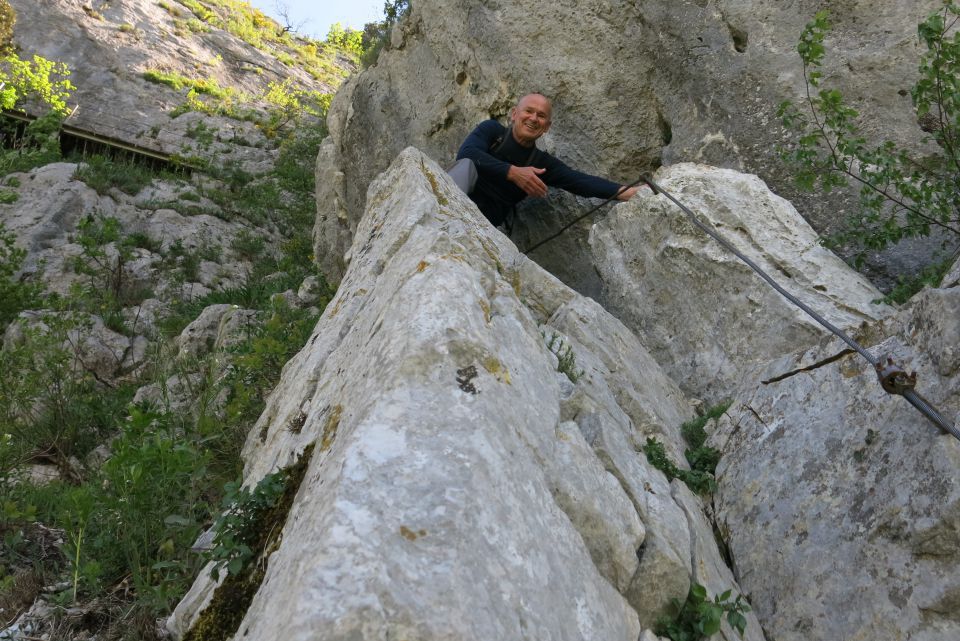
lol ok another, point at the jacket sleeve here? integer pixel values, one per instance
(477, 145)
(563, 177)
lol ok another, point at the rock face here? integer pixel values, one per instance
(462, 485)
(633, 86)
(109, 45)
(841, 504)
(656, 267)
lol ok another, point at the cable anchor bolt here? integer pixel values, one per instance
(894, 379)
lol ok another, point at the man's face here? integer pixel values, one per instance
(531, 118)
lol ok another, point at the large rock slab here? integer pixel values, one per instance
(634, 86)
(706, 317)
(840, 503)
(463, 487)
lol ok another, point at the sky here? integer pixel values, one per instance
(318, 15)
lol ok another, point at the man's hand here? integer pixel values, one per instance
(627, 194)
(528, 179)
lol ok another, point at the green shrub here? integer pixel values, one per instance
(376, 34)
(40, 145)
(55, 408)
(702, 458)
(900, 196)
(907, 286)
(699, 617)
(38, 78)
(16, 295)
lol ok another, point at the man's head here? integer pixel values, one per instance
(530, 118)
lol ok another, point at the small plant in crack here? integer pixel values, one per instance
(699, 616)
(566, 359)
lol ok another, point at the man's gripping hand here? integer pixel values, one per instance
(528, 179)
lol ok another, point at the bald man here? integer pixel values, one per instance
(509, 167)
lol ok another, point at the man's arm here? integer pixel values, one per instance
(477, 145)
(577, 182)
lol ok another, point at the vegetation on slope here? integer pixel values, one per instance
(106, 546)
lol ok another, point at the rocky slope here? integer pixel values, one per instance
(464, 481)
(110, 44)
(634, 85)
(156, 276)
(462, 486)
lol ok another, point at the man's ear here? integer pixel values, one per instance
(513, 112)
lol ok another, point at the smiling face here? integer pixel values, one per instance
(530, 118)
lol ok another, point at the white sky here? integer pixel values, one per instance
(318, 15)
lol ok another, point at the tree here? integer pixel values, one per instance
(901, 196)
(287, 23)
(7, 19)
(375, 34)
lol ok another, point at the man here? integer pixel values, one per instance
(509, 167)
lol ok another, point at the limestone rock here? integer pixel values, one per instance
(840, 503)
(217, 327)
(952, 277)
(704, 315)
(634, 86)
(709, 568)
(108, 47)
(597, 506)
(447, 495)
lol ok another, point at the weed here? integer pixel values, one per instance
(201, 133)
(566, 359)
(702, 458)
(699, 617)
(248, 245)
(248, 530)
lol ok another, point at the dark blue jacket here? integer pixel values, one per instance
(495, 195)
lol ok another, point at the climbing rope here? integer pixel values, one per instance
(581, 217)
(893, 378)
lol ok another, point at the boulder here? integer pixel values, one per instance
(705, 316)
(95, 348)
(634, 86)
(464, 483)
(841, 504)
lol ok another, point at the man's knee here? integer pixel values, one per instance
(464, 173)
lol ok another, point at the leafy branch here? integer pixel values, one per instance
(900, 196)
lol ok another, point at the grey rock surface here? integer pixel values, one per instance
(705, 316)
(634, 86)
(461, 486)
(840, 503)
(108, 47)
(52, 203)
